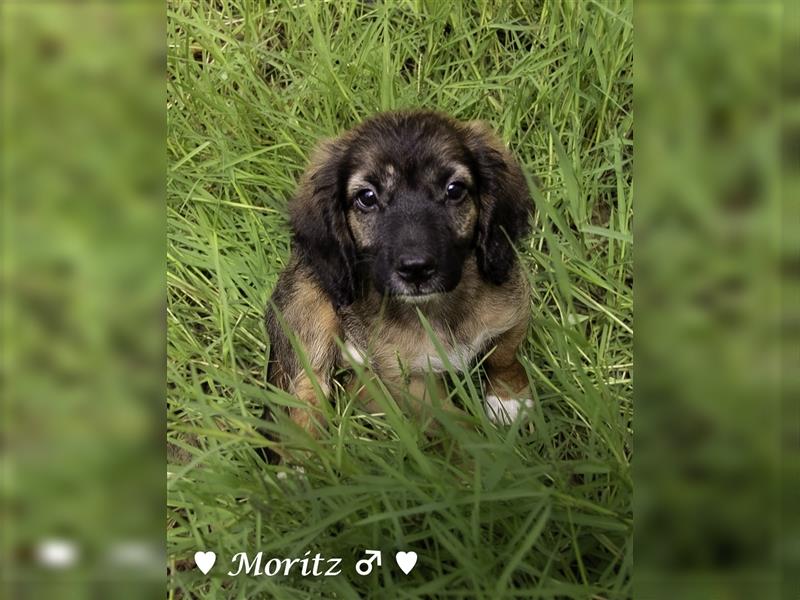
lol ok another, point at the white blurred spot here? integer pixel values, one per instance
(57, 554)
(504, 412)
(135, 554)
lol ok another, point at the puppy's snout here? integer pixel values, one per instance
(416, 268)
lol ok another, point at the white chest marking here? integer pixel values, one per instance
(353, 354)
(458, 355)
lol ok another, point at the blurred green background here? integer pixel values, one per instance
(714, 278)
(83, 300)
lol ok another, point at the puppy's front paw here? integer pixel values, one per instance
(503, 411)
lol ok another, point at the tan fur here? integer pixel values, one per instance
(316, 323)
(360, 226)
(358, 181)
(464, 221)
(313, 321)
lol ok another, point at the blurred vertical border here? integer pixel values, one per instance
(716, 173)
(82, 490)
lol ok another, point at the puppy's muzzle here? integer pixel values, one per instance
(416, 269)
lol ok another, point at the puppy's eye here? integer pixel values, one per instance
(366, 200)
(456, 190)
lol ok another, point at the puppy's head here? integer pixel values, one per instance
(402, 200)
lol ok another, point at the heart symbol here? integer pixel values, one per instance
(206, 560)
(406, 561)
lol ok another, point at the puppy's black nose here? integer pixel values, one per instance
(415, 268)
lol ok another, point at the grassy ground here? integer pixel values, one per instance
(542, 510)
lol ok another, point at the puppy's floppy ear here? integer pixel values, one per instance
(505, 202)
(321, 237)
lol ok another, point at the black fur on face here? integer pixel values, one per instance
(402, 200)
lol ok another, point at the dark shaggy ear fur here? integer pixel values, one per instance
(321, 237)
(505, 202)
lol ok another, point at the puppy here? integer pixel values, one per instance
(407, 211)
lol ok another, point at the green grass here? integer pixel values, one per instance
(538, 510)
